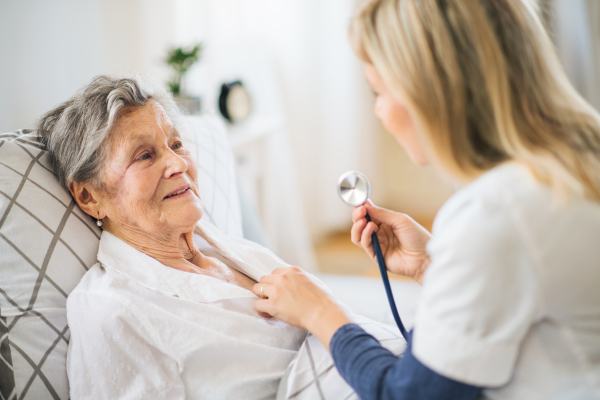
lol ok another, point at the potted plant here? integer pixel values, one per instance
(181, 60)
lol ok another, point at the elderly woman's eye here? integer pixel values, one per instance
(144, 156)
(177, 145)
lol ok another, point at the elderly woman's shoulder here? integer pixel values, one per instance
(98, 310)
(97, 285)
(95, 278)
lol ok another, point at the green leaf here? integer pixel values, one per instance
(181, 60)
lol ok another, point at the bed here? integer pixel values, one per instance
(47, 243)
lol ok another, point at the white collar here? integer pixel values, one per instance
(117, 255)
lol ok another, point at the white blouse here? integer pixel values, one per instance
(511, 299)
(140, 329)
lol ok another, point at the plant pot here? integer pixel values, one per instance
(189, 104)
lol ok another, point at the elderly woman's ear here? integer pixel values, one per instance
(86, 198)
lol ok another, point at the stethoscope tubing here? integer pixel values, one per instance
(386, 282)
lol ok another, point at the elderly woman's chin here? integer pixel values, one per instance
(183, 210)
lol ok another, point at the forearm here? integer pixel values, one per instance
(375, 373)
(360, 360)
(326, 322)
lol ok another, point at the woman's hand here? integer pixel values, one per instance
(290, 295)
(402, 240)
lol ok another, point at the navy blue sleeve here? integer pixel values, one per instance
(375, 373)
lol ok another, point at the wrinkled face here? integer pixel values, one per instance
(395, 117)
(150, 178)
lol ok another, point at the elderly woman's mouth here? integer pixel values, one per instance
(178, 192)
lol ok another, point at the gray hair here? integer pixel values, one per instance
(76, 132)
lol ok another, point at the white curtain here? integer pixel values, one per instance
(577, 36)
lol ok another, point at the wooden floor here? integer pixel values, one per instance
(338, 255)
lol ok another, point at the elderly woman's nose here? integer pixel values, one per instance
(175, 164)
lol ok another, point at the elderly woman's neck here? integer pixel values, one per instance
(176, 251)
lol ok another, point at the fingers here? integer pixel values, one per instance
(366, 239)
(361, 235)
(383, 216)
(356, 231)
(280, 270)
(263, 307)
(277, 273)
(268, 283)
(361, 231)
(376, 213)
(284, 270)
(358, 213)
(267, 279)
(261, 290)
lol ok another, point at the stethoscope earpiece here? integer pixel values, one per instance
(354, 189)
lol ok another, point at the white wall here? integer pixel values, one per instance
(51, 48)
(47, 51)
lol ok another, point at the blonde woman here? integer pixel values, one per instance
(510, 307)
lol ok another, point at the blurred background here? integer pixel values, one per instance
(311, 110)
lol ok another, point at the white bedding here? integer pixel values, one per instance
(311, 375)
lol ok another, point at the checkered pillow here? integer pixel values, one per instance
(47, 243)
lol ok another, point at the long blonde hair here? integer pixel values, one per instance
(484, 86)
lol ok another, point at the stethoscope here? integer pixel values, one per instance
(354, 188)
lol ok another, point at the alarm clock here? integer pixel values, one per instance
(234, 102)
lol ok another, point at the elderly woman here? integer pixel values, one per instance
(168, 311)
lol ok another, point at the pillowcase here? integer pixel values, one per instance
(206, 137)
(47, 243)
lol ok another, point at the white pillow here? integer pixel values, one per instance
(207, 139)
(47, 243)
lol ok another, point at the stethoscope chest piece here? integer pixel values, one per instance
(354, 188)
